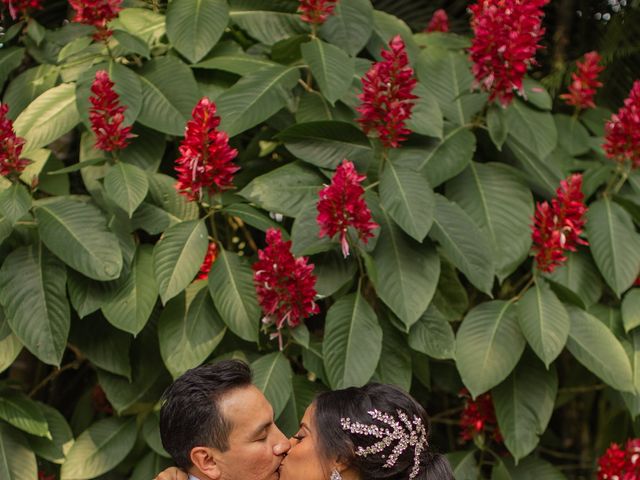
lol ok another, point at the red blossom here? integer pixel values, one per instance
(557, 226)
(622, 138)
(619, 464)
(17, 7)
(478, 417)
(100, 402)
(506, 36)
(637, 282)
(386, 95)
(285, 284)
(97, 13)
(316, 12)
(342, 205)
(210, 257)
(584, 82)
(439, 22)
(10, 147)
(206, 161)
(107, 115)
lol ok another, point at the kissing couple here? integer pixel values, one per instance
(218, 426)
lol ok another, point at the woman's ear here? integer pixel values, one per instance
(345, 471)
(204, 461)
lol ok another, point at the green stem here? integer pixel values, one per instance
(524, 289)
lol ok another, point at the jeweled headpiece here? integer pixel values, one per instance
(406, 432)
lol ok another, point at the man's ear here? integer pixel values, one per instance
(203, 459)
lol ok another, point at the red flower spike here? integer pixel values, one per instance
(584, 82)
(316, 12)
(107, 115)
(10, 147)
(619, 464)
(506, 36)
(210, 257)
(342, 205)
(206, 161)
(622, 137)
(557, 226)
(386, 95)
(478, 417)
(97, 13)
(439, 22)
(22, 7)
(285, 284)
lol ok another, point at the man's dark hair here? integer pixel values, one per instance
(190, 416)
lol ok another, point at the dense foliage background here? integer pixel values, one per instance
(99, 309)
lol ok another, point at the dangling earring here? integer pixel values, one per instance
(335, 475)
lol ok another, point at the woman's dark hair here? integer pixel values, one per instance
(354, 404)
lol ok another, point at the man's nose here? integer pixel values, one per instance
(282, 444)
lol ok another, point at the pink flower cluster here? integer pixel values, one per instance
(342, 205)
(557, 226)
(622, 138)
(506, 36)
(478, 417)
(439, 22)
(386, 95)
(316, 12)
(10, 147)
(206, 161)
(97, 13)
(584, 82)
(22, 7)
(107, 115)
(619, 464)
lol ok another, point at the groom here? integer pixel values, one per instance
(218, 426)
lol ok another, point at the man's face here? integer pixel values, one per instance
(253, 437)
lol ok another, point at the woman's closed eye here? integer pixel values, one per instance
(299, 436)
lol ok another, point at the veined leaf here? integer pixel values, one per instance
(267, 22)
(126, 185)
(19, 462)
(350, 25)
(331, 67)
(272, 374)
(23, 413)
(532, 128)
(432, 335)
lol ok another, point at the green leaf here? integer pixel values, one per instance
(77, 233)
(272, 375)
(10, 346)
(88, 295)
(146, 150)
(395, 365)
(129, 44)
(488, 345)
(130, 307)
(352, 342)
(543, 321)
(15, 202)
(18, 461)
(579, 274)
(572, 136)
(497, 125)
(255, 98)
(169, 93)
(595, 347)
(502, 206)
(615, 244)
(542, 175)
(231, 287)
(56, 449)
(631, 309)
(404, 266)
(287, 189)
(143, 23)
(464, 465)
(432, 335)
(385, 27)
(178, 255)
(331, 67)
(99, 448)
(229, 57)
(28, 86)
(464, 243)
(10, 59)
(349, 26)
(127, 186)
(151, 433)
(532, 128)
(267, 22)
(332, 272)
(150, 465)
(451, 295)
(533, 468)
(36, 306)
(23, 413)
(305, 234)
(535, 94)
(408, 198)
(48, 117)
(524, 403)
(426, 116)
(163, 193)
(195, 26)
(252, 216)
(189, 329)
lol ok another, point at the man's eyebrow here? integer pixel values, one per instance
(262, 427)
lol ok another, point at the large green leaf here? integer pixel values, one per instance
(169, 93)
(77, 232)
(593, 345)
(350, 25)
(126, 185)
(352, 342)
(163, 193)
(48, 117)
(189, 329)
(489, 344)
(542, 175)
(433, 335)
(233, 293)
(304, 391)
(524, 403)
(151, 433)
(178, 255)
(544, 321)
(23, 413)
(332, 272)
(426, 116)
(532, 468)
(99, 448)
(408, 198)
(501, 205)
(15, 202)
(403, 267)
(88, 295)
(305, 234)
(255, 98)
(532, 128)
(17, 461)
(631, 309)
(143, 23)
(55, 449)
(28, 86)
(267, 22)
(251, 216)
(326, 143)
(615, 244)
(131, 304)
(385, 27)
(195, 26)
(272, 374)
(572, 136)
(150, 465)
(331, 67)
(285, 190)
(580, 275)
(395, 365)
(10, 59)
(36, 306)
(10, 346)
(464, 243)
(146, 150)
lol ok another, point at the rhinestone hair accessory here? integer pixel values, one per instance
(335, 475)
(406, 432)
